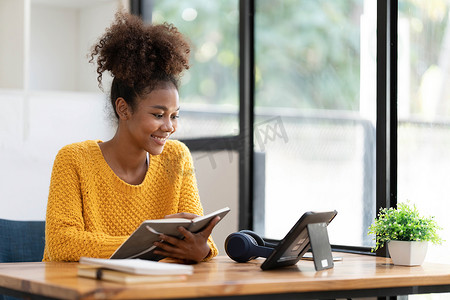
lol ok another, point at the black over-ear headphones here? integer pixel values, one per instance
(245, 245)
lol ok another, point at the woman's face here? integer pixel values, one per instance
(154, 119)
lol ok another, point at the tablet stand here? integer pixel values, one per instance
(320, 246)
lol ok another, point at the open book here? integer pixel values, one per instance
(140, 243)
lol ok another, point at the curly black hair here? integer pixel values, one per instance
(139, 56)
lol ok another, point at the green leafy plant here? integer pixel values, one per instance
(403, 223)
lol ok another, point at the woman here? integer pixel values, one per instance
(101, 191)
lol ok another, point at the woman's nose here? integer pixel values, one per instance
(167, 125)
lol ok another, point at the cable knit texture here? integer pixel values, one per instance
(91, 211)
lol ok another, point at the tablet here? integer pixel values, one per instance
(296, 242)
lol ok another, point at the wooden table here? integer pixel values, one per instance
(354, 276)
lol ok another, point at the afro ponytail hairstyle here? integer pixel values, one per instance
(139, 57)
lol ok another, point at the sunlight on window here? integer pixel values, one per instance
(226, 58)
(186, 78)
(208, 87)
(206, 52)
(189, 14)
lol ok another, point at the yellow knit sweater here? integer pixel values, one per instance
(91, 211)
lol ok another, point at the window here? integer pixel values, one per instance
(424, 111)
(315, 113)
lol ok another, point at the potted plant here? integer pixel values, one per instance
(406, 233)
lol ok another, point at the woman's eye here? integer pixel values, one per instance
(175, 117)
(158, 116)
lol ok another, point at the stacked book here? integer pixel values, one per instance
(132, 270)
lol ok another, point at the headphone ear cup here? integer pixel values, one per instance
(259, 240)
(242, 247)
(238, 246)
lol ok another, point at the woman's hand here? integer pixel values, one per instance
(194, 246)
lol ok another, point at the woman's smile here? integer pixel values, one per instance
(160, 140)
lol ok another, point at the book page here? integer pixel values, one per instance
(170, 220)
(199, 223)
(123, 277)
(139, 266)
(168, 228)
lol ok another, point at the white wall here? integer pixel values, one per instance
(53, 45)
(12, 44)
(33, 127)
(61, 39)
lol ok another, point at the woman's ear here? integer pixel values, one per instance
(122, 109)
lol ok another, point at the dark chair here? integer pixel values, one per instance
(21, 241)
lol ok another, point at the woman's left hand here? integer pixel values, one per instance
(193, 248)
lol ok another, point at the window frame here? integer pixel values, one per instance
(386, 125)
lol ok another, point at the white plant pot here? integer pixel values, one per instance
(407, 253)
